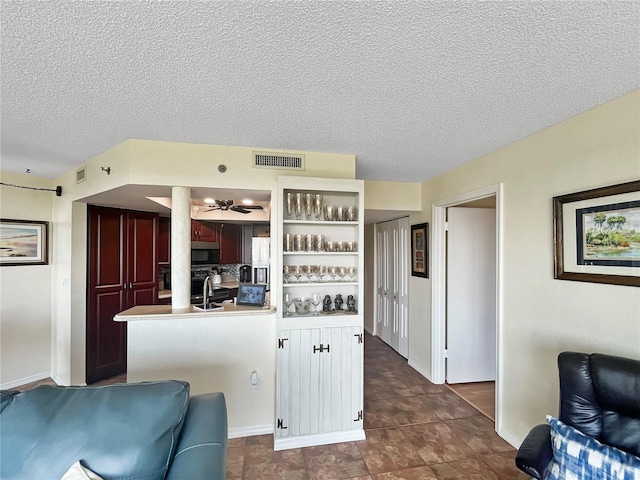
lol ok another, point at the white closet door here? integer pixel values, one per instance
(393, 284)
(402, 266)
(471, 295)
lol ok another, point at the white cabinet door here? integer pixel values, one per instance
(319, 384)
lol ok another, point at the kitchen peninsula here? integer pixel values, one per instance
(215, 350)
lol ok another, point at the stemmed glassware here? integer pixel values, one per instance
(288, 301)
(333, 271)
(321, 271)
(316, 298)
(342, 271)
(351, 271)
(297, 271)
(286, 269)
(308, 271)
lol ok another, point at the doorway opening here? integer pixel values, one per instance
(452, 342)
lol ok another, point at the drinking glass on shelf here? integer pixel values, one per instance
(297, 272)
(351, 271)
(317, 206)
(321, 271)
(316, 299)
(288, 271)
(288, 301)
(298, 205)
(308, 271)
(333, 271)
(289, 204)
(308, 205)
(342, 271)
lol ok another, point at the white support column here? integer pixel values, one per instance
(180, 248)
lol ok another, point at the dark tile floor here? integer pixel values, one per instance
(415, 430)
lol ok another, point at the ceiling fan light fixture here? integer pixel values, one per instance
(247, 201)
(209, 201)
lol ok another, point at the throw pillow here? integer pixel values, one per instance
(79, 472)
(577, 456)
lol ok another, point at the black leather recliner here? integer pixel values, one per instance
(600, 396)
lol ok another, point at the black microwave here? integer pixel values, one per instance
(205, 253)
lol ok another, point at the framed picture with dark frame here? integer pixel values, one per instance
(252, 295)
(23, 242)
(597, 235)
(420, 250)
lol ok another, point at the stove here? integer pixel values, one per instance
(197, 282)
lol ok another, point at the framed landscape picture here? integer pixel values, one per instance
(597, 235)
(23, 242)
(420, 250)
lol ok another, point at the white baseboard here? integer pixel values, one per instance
(509, 438)
(23, 381)
(422, 372)
(322, 439)
(238, 432)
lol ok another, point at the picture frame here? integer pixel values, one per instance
(420, 250)
(23, 242)
(251, 294)
(597, 235)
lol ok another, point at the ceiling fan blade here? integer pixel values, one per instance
(212, 208)
(240, 209)
(253, 207)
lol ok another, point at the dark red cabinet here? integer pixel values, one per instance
(122, 272)
(164, 241)
(202, 231)
(230, 243)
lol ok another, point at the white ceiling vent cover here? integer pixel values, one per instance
(278, 160)
(81, 174)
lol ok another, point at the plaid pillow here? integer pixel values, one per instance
(577, 456)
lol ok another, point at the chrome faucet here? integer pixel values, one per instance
(207, 289)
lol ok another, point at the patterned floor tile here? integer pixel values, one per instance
(504, 464)
(447, 405)
(471, 468)
(334, 462)
(387, 450)
(419, 473)
(437, 443)
(479, 433)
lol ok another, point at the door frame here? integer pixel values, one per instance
(439, 284)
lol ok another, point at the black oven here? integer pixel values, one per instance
(205, 253)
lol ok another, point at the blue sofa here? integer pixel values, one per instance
(150, 431)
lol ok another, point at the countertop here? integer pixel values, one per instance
(162, 312)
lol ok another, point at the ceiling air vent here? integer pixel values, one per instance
(81, 174)
(278, 160)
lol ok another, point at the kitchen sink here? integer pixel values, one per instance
(208, 307)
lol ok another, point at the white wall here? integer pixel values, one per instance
(543, 316)
(25, 295)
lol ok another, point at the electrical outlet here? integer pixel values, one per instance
(254, 379)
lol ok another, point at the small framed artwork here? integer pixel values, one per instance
(252, 295)
(597, 235)
(420, 250)
(23, 242)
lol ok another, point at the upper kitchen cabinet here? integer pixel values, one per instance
(230, 238)
(204, 231)
(164, 241)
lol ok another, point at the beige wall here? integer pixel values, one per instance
(543, 316)
(25, 293)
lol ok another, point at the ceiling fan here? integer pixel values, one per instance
(225, 205)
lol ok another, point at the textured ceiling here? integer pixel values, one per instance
(412, 88)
